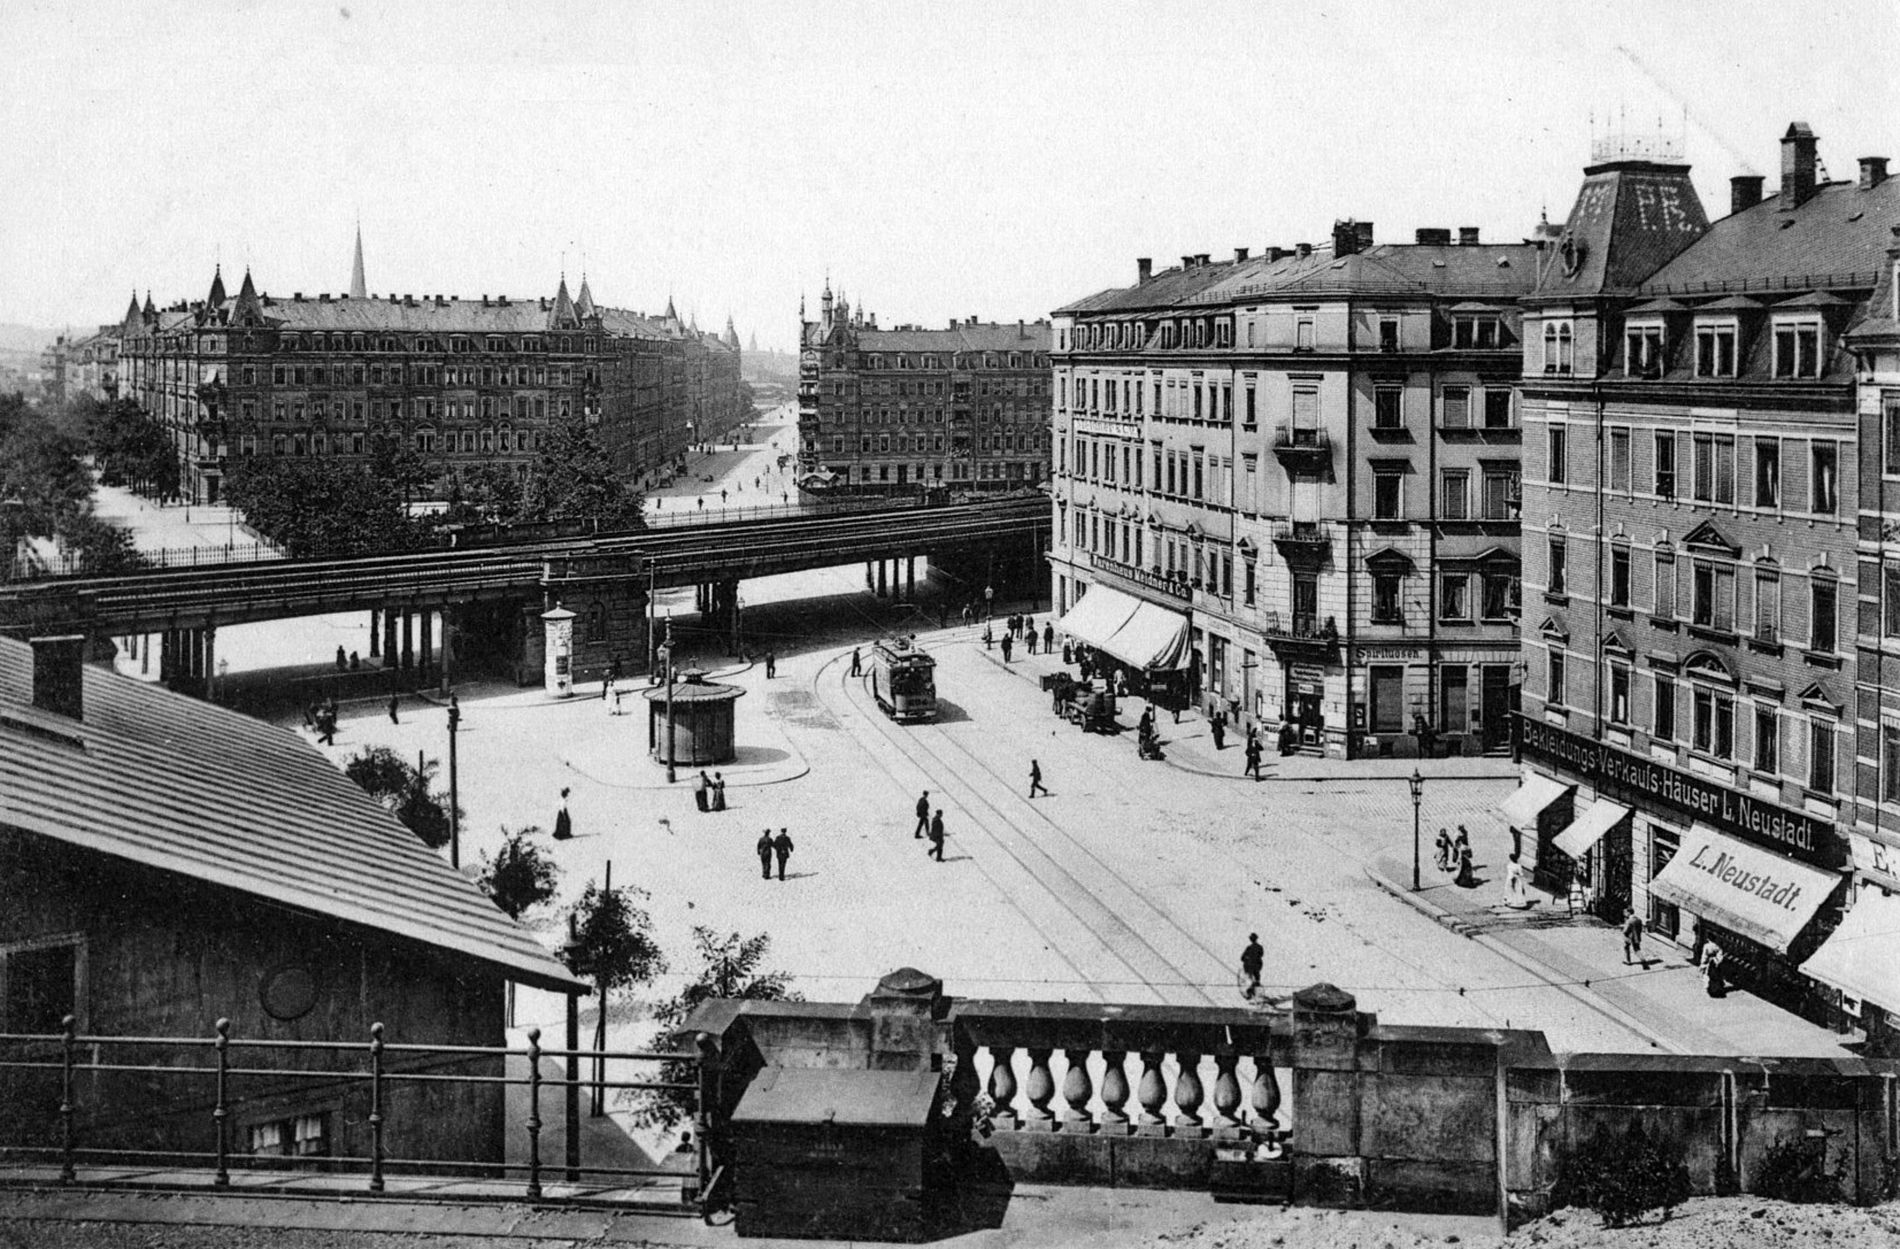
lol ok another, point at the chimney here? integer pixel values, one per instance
(1302, 250)
(953, 323)
(1873, 172)
(1187, 262)
(1432, 236)
(1201, 259)
(59, 665)
(1020, 331)
(297, 296)
(1275, 254)
(1240, 255)
(1345, 238)
(1144, 268)
(1797, 166)
(1363, 231)
(1744, 191)
(484, 301)
(1467, 236)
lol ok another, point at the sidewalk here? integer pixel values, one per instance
(1189, 745)
(1663, 999)
(158, 529)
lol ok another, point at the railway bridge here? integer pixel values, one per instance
(484, 601)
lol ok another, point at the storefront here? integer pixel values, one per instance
(1861, 958)
(1537, 810)
(1598, 847)
(1147, 637)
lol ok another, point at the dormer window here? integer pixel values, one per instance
(1644, 356)
(1475, 332)
(1559, 346)
(1715, 349)
(1798, 347)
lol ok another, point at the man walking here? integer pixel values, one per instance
(1035, 779)
(765, 854)
(857, 663)
(923, 816)
(936, 836)
(1007, 643)
(771, 665)
(782, 847)
(394, 701)
(1218, 727)
(702, 792)
(1253, 758)
(1632, 936)
(1253, 960)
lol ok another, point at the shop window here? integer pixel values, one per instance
(1663, 916)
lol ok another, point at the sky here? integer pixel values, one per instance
(932, 160)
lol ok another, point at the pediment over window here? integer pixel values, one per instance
(1553, 629)
(1389, 560)
(1616, 643)
(1817, 698)
(1247, 549)
(1709, 666)
(1706, 537)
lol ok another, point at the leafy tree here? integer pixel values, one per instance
(729, 969)
(610, 939)
(128, 447)
(404, 791)
(44, 478)
(575, 479)
(319, 507)
(520, 876)
(487, 494)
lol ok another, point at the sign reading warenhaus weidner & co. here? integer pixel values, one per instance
(1634, 779)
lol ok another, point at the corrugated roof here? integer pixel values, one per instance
(188, 787)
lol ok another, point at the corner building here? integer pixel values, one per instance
(1312, 456)
(892, 411)
(1690, 506)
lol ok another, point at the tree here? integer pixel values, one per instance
(404, 791)
(519, 876)
(317, 507)
(610, 941)
(575, 479)
(729, 969)
(486, 494)
(42, 466)
(128, 447)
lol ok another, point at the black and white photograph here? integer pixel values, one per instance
(1203, 625)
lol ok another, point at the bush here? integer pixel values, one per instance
(1795, 1169)
(520, 875)
(1623, 1179)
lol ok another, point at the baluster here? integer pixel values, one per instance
(1041, 1089)
(218, 1112)
(1153, 1094)
(1266, 1098)
(1003, 1087)
(1187, 1097)
(376, 1108)
(1076, 1090)
(68, 1042)
(534, 1114)
(1226, 1097)
(1114, 1093)
(964, 1086)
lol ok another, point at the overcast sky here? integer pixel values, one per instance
(936, 160)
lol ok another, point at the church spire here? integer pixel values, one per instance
(359, 289)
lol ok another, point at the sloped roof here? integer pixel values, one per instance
(469, 316)
(967, 336)
(188, 787)
(1629, 220)
(1840, 230)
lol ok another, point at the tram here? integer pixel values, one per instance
(904, 680)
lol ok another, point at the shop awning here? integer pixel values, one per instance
(1528, 801)
(1153, 639)
(1588, 828)
(1094, 619)
(1758, 893)
(1862, 957)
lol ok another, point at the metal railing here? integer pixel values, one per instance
(374, 1066)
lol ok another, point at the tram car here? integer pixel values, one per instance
(904, 680)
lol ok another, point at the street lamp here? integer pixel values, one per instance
(455, 805)
(1417, 783)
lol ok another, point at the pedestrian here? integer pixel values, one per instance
(310, 715)
(326, 727)
(356, 660)
(616, 670)
(1253, 961)
(923, 816)
(1007, 642)
(765, 854)
(1632, 936)
(771, 665)
(1714, 974)
(1068, 652)
(722, 495)
(719, 791)
(782, 849)
(1218, 726)
(1442, 856)
(702, 792)
(969, 614)
(394, 700)
(1699, 941)
(988, 640)
(1461, 845)
(1035, 779)
(1253, 759)
(607, 695)
(342, 660)
(1466, 878)
(563, 822)
(857, 663)
(1514, 879)
(936, 836)
(1029, 639)
(1049, 640)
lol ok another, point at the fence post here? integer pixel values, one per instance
(534, 1114)
(219, 1115)
(376, 1107)
(68, 1043)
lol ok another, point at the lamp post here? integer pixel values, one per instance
(1417, 783)
(455, 805)
(671, 775)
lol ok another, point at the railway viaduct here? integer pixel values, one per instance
(434, 609)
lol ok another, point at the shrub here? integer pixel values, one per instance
(1795, 1170)
(1623, 1179)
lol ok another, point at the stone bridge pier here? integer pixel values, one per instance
(609, 598)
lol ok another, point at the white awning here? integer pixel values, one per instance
(1153, 639)
(1862, 957)
(1756, 892)
(1097, 615)
(1587, 829)
(1528, 801)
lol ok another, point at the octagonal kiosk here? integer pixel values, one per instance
(558, 664)
(689, 721)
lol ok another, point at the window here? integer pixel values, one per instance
(1645, 344)
(1250, 417)
(1385, 598)
(1715, 468)
(1890, 422)
(1620, 576)
(1303, 334)
(1767, 606)
(1500, 594)
(1249, 575)
(1798, 348)
(304, 1136)
(1824, 478)
(1713, 596)
(1556, 458)
(1554, 676)
(1821, 755)
(1387, 496)
(1822, 597)
(1619, 693)
(1890, 600)
(42, 982)
(1767, 740)
(1559, 341)
(1767, 472)
(1620, 460)
(1388, 334)
(1666, 464)
(1557, 581)
(1665, 606)
(1455, 494)
(1387, 408)
(1665, 709)
(1500, 493)
(1713, 732)
(1454, 602)
(1890, 762)
(1457, 407)
(1715, 349)
(1497, 408)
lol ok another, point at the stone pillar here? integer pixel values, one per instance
(210, 633)
(1327, 1029)
(907, 1009)
(389, 639)
(446, 671)
(408, 640)
(145, 654)
(428, 638)
(375, 633)
(910, 578)
(882, 591)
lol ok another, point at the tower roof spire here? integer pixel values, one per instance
(359, 289)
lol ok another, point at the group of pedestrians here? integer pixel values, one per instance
(930, 826)
(322, 718)
(709, 792)
(772, 849)
(1454, 855)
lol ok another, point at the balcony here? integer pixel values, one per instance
(1303, 450)
(1303, 544)
(1301, 636)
